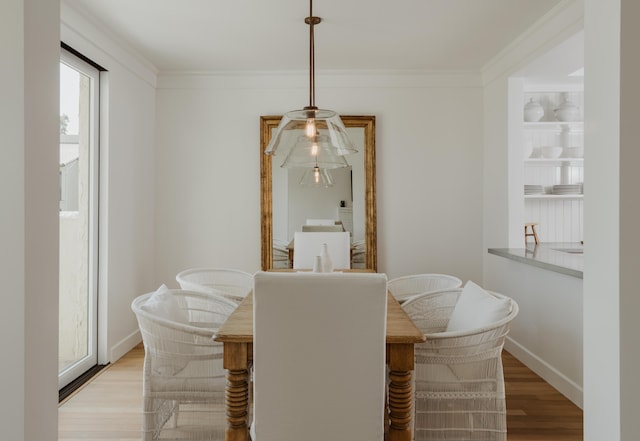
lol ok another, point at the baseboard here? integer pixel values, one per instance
(125, 345)
(551, 375)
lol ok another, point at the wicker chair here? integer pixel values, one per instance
(183, 375)
(230, 283)
(280, 254)
(459, 379)
(403, 288)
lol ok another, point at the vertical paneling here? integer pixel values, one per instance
(559, 220)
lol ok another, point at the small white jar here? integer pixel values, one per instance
(533, 111)
(567, 111)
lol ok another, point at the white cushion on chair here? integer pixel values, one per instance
(476, 308)
(164, 305)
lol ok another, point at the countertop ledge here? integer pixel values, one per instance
(561, 257)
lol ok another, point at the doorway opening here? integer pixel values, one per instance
(78, 190)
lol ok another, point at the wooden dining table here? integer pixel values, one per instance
(236, 334)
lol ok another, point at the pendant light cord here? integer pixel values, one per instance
(312, 72)
(312, 21)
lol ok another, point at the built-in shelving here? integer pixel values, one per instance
(553, 161)
(559, 215)
(552, 124)
(553, 196)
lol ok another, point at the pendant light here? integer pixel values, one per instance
(316, 177)
(312, 137)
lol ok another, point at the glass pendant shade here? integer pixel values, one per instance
(316, 177)
(314, 151)
(309, 123)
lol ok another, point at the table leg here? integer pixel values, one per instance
(401, 364)
(236, 363)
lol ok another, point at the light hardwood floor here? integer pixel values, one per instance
(109, 407)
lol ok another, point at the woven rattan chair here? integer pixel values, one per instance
(280, 254)
(230, 283)
(459, 378)
(183, 377)
(403, 288)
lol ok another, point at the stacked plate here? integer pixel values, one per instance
(533, 189)
(567, 189)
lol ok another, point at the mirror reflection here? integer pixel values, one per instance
(346, 206)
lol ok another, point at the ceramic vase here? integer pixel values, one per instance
(317, 264)
(533, 111)
(567, 111)
(327, 263)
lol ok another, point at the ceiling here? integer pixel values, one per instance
(239, 35)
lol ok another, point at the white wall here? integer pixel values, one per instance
(429, 151)
(629, 221)
(602, 213)
(29, 223)
(612, 355)
(127, 222)
(547, 335)
(12, 228)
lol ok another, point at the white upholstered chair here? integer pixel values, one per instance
(308, 245)
(322, 228)
(230, 283)
(183, 377)
(459, 377)
(319, 356)
(403, 288)
(320, 222)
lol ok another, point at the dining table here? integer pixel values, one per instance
(402, 334)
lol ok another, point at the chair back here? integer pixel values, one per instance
(321, 222)
(230, 283)
(319, 356)
(308, 245)
(322, 228)
(403, 288)
(178, 337)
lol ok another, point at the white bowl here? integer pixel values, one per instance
(535, 153)
(551, 152)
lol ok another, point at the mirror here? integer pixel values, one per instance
(351, 201)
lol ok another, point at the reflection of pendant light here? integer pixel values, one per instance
(316, 177)
(312, 136)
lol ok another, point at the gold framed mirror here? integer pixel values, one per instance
(284, 204)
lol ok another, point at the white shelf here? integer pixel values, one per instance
(551, 161)
(575, 126)
(551, 123)
(553, 196)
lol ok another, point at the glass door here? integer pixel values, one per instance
(79, 86)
